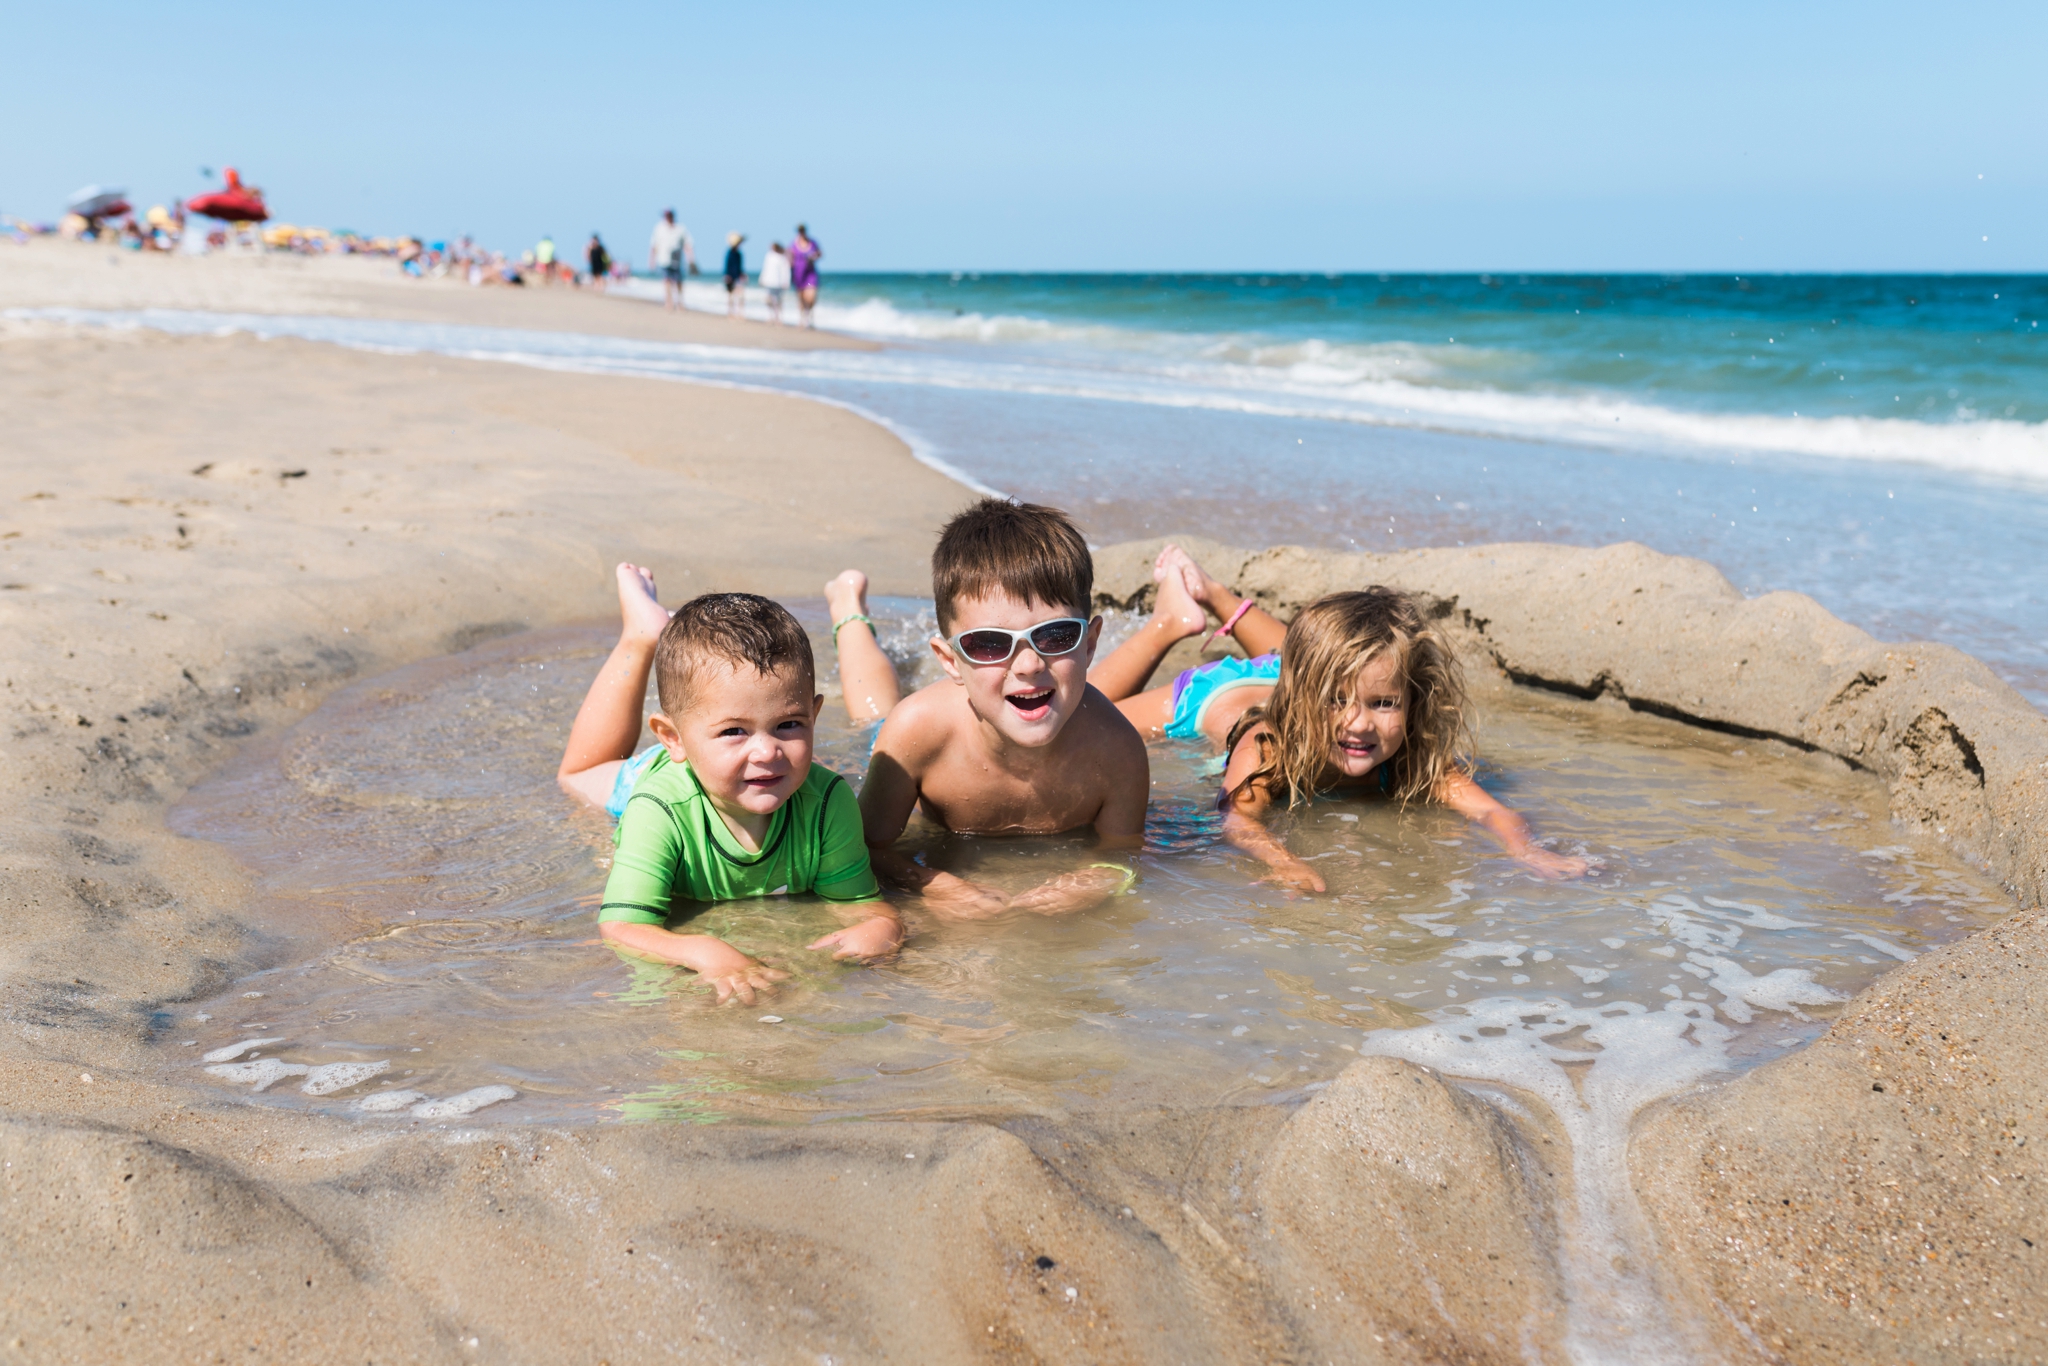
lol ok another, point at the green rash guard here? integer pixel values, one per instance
(673, 848)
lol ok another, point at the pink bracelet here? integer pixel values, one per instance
(1243, 606)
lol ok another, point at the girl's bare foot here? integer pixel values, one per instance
(847, 595)
(641, 614)
(1200, 586)
(1176, 609)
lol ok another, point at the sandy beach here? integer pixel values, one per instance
(203, 538)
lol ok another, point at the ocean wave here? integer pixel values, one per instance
(1444, 387)
(1390, 385)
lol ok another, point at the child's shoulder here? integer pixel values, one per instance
(1100, 726)
(667, 781)
(922, 724)
(821, 782)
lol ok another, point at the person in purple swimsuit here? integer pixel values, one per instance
(803, 272)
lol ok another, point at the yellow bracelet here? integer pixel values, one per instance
(1130, 876)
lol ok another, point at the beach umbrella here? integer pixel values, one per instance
(97, 201)
(238, 203)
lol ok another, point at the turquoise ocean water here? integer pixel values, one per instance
(1879, 442)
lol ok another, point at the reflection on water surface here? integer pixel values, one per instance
(433, 899)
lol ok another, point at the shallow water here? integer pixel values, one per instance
(429, 899)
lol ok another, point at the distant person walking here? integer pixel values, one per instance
(671, 252)
(599, 260)
(544, 259)
(735, 276)
(804, 255)
(775, 279)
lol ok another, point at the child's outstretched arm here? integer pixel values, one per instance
(728, 971)
(1246, 805)
(1474, 803)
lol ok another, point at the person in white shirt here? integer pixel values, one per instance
(775, 279)
(671, 252)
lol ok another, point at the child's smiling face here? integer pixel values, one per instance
(1028, 698)
(1369, 718)
(747, 736)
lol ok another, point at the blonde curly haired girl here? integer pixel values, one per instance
(1359, 696)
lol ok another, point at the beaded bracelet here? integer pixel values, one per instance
(848, 621)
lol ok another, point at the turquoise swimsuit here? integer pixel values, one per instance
(1196, 688)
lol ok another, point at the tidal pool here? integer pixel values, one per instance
(428, 896)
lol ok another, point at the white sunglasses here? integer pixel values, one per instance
(994, 645)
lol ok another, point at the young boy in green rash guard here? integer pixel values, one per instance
(729, 805)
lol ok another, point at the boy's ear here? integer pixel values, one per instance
(666, 732)
(946, 660)
(817, 708)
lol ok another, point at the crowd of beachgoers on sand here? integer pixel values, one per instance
(237, 219)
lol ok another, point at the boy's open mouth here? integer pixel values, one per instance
(1031, 705)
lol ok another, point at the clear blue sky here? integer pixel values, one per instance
(1745, 136)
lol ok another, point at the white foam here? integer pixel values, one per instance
(1785, 990)
(328, 1078)
(259, 1074)
(1427, 921)
(1755, 916)
(1904, 955)
(1691, 932)
(468, 1103)
(389, 1102)
(1509, 952)
(1615, 1312)
(236, 1050)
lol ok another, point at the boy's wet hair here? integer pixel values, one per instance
(730, 628)
(1020, 550)
(1327, 644)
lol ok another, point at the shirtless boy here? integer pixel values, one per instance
(1014, 740)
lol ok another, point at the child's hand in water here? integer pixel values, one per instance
(1545, 864)
(732, 973)
(876, 937)
(1297, 875)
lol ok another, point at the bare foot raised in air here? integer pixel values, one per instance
(641, 615)
(867, 680)
(1256, 631)
(1200, 586)
(1177, 609)
(847, 595)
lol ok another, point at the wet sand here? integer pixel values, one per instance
(206, 536)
